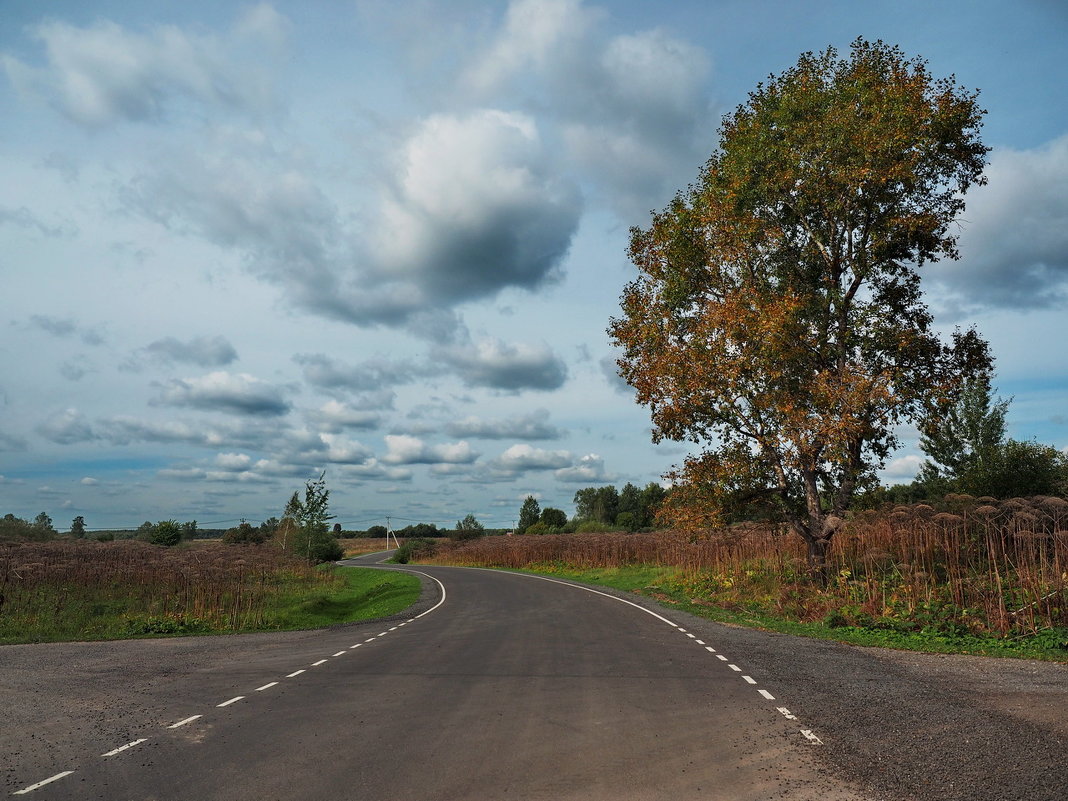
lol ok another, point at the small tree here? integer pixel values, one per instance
(553, 518)
(43, 524)
(468, 529)
(312, 538)
(529, 513)
(377, 532)
(77, 528)
(167, 533)
(244, 534)
(189, 530)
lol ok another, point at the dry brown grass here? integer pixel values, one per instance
(973, 565)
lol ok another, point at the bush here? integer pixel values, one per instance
(376, 532)
(245, 534)
(419, 548)
(167, 533)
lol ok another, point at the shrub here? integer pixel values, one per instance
(415, 549)
(167, 533)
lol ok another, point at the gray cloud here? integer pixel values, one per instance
(104, 73)
(66, 427)
(610, 370)
(523, 457)
(334, 416)
(1014, 238)
(22, 217)
(10, 443)
(234, 393)
(202, 351)
(331, 375)
(589, 470)
(403, 449)
(64, 327)
(532, 426)
(494, 364)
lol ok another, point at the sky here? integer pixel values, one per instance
(241, 244)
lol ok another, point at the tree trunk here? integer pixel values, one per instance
(817, 559)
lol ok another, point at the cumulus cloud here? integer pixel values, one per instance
(66, 427)
(404, 449)
(234, 393)
(494, 364)
(534, 425)
(589, 470)
(89, 481)
(334, 416)
(103, 73)
(202, 351)
(523, 457)
(632, 109)
(243, 433)
(476, 205)
(904, 467)
(331, 375)
(1014, 239)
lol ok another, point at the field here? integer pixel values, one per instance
(86, 590)
(976, 574)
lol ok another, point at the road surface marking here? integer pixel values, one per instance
(39, 784)
(767, 695)
(320, 662)
(382, 634)
(266, 687)
(122, 748)
(183, 722)
(721, 657)
(681, 629)
(700, 642)
(691, 636)
(812, 738)
(749, 679)
(231, 701)
(294, 673)
(394, 628)
(786, 713)
(735, 668)
(710, 649)
(340, 653)
(357, 645)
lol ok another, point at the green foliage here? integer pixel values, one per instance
(167, 533)
(529, 514)
(77, 528)
(467, 529)
(376, 532)
(419, 530)
(312, 538)
(16, 529)
(418, 548)
(553, 518)
(597, 504)
(245, 534)
(105, 536)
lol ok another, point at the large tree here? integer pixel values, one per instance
(777, 316)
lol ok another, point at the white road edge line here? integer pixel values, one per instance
(266, 687)
(42, 783)
(122, 748)
(183, 722)
(231, 701)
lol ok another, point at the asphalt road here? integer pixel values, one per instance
(510, 687)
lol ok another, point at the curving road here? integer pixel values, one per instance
(498, 686)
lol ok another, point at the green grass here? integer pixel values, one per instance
(656, 582)
(71, 613)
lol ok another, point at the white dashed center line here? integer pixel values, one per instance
(266, 687)
(340, 653)
(189, 719)
(122, 748)
(294, 673)
(42, 783)
(231, 701)
(767, 695)
(749, 679)
(735, 668)
(786, 713)
(320, 662)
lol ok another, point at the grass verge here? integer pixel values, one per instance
(658, 583)
(341, 595)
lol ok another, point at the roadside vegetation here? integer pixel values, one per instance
(968, 575)
(87, 590)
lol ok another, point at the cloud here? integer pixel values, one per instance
(201, 351)
(476, 205)
(334, 416)
(523, 457)
(65, 327)
(589, 470)
(610, 370)
(494, 364)
(632, 110)
(534, 425)
(331, 375)
(1014, 242)
(10, 443)
(103, 73)
(243, 433)
(404, 449)
(238, 393)
(904, 467)
(89, 481)
(66, 427)
(23, 218)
